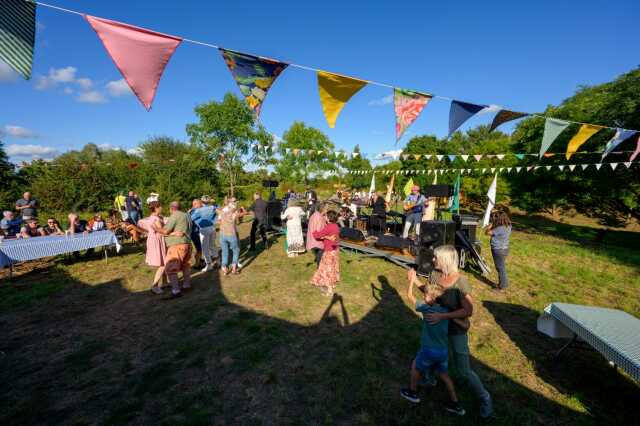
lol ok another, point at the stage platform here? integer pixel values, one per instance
(367, 251)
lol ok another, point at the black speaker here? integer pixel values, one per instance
(438, 191)
(468, 225)
(351, 234)
(270, 183)
(274, 210)
(437, 232)
(392, 242)
(424, 259)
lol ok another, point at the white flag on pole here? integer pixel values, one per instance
(491, 194)
(372, 188)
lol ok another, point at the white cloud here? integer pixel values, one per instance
(382, 101)
(56, 76)
(134, 151)
(18, 132)
(118, 88)
(91, 97)
(84, 83)
(390, 154)
(7, 74)
(31, 152)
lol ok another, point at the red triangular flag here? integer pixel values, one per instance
(140, 54)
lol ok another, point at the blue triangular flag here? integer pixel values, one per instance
(452, 157)
(620, 136)
(461, 112)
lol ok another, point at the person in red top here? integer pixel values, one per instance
(328, 273)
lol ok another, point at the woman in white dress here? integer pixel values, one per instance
(295, 239)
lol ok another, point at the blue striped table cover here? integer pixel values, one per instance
(21, 250)
(613, 333)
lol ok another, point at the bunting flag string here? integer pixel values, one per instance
(141, 55)
(254, 75)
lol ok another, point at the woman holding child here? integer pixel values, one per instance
(458, 307)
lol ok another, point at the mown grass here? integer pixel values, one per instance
(85, 343)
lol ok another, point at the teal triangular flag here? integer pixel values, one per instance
(18, 35)
(552, 129)
(519, 156)
(455, 204)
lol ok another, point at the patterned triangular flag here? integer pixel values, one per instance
(335, 91)
(552, 129)
(140, 54)
(408, 105)
(585, 132)
(254, 75)
(620, 136)
(504, 116)
(18, 35)
(459, 112)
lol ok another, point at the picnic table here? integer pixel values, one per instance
(613, 333)
(25, 249)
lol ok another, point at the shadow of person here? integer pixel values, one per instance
(585, 375)
(102, 354)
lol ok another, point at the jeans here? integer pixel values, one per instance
(134, 215)
(255, 226)
(499, 259)
(208, 242)
(229, 242)
(317, 252)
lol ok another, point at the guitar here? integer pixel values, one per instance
(408, 205)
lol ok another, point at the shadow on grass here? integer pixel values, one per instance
(585, 375)
(619, 245)
(99, 354)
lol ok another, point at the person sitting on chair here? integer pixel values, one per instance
(413, 207)
(31, 229)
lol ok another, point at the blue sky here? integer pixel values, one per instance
(523, 55)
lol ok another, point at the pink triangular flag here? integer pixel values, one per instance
(529, 168)
(627, 164)
(477, 157)
(140, 54)
(636, 152)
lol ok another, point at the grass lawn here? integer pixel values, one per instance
(86, 343)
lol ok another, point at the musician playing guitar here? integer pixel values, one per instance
(413, 206)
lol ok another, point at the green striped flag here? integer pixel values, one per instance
(18, 34)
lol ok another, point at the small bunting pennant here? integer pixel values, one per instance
(18, 35)
(335, 91)
(613, 165)
(636, 152)
(428, 156)
(548, 167)
(585, 132)
(627, 164)
(572, 166)
(561, 167)
(459, 112)
(478, 157)
(504, 116)
(519, 156)
(407, 105)
(254, 75)
(584, 166)
(552, 129)
(598, 165)
(464, 157)
(518, 169)
(439, 157)
(140, 55)
(500, 156)
(452, 157)
(417, 156)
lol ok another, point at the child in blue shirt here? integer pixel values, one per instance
(433, 353)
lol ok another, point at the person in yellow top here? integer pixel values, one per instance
(120, 204)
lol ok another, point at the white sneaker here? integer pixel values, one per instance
(207, 267)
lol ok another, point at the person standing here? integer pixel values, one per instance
(379, 215)
(457, 299)
(27, 206)
(134, 207)
(227, 217)
(295, 239)
(499, 229)
(317, 221)
(259, 209)
(328, 273)
(204, 218)
(156, 247)
(413, 206)
(178, 248)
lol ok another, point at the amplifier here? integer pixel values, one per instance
(393, 242)
(351, 234)
(424, 260)
(437, 232)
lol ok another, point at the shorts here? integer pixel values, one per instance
(414, 218)
(436, 359)
(178, 258)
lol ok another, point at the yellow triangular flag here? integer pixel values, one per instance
(408, 186)
(335, 91)
(585, 132)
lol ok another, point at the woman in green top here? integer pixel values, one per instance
(457, 299)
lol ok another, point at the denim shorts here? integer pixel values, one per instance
(436, 359)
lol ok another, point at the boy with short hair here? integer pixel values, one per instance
(433, 353)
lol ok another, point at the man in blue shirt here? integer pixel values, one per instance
(413, 207)
(10, 225)
(204, 217)
(433, 353)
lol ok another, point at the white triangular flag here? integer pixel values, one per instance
(464, 157)
(493, 169)
(572, 166)
(584, 166)
(627, 164)
(439, 157)
(491, 195)
(428, 156)
(598, 165)
(490, 155)
(548, 167)
(500, 156)
(536, 168)
(484, 171)
(613, 165)
(435, 177)
(561, 167)
(468, 170)
(405, 157)
(509, 169)
(501, 169)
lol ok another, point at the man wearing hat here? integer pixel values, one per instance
(413, 207)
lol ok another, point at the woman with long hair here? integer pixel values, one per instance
(156, 247)
(499, 229)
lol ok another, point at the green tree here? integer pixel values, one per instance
(8, 189)
(298, 150)
(225, 131)
(611, 195)
(356, 163)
